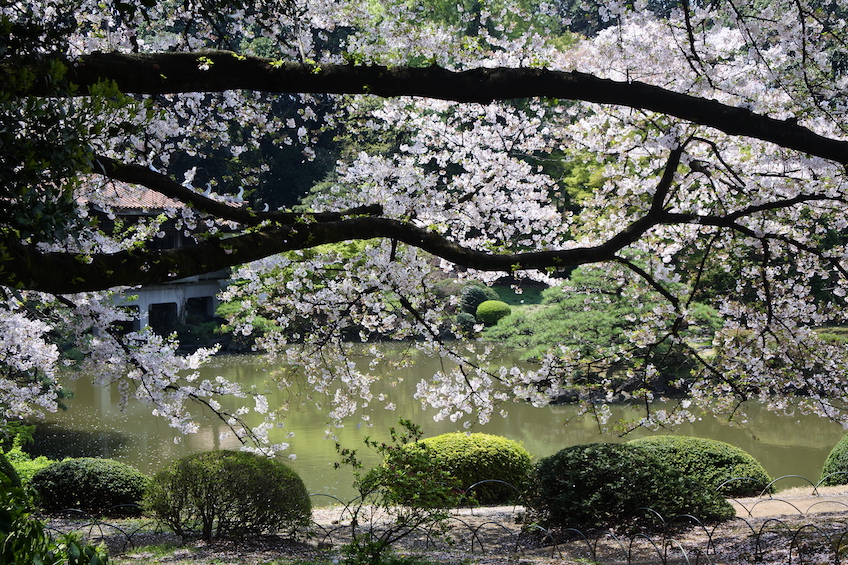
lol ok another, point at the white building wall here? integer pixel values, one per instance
(173, 293)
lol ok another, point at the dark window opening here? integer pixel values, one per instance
(162, 318)
(198, 310)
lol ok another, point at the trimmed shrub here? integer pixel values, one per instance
(228, 494)
(473, 295)
(716, 464)
(9, 472)
(606, 484)
(835, 469)
(472, 458)
(444, 289)
(466, 322)
(490, 311)
(95, 485)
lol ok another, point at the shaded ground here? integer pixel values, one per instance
(801, 525)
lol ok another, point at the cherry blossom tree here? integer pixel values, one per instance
(718, 130)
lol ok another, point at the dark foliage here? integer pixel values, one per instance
(605, 484)
(91, 484)
(473, 295)
(25, 540)
(9, 471)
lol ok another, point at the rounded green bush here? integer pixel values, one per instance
(474, 458)
(228, 494)
(490, 311)
(605, 484)
(475, 294)
(9, 472)
(835, 469)
(716, 464)
(91, 484)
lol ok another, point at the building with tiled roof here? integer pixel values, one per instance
(163, 307)
(135, 198)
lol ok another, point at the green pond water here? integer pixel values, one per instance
(93, 425)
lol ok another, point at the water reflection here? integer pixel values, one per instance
(57, 442)
(94, 426)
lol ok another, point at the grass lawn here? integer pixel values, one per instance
(531, 294)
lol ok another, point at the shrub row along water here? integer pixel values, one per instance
(225, 493)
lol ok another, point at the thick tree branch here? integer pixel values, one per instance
(62, 273)
(729, 221)
(160, 73)
(166, 186)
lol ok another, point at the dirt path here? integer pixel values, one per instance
(801, 501)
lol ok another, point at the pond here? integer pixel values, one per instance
(94, 426)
